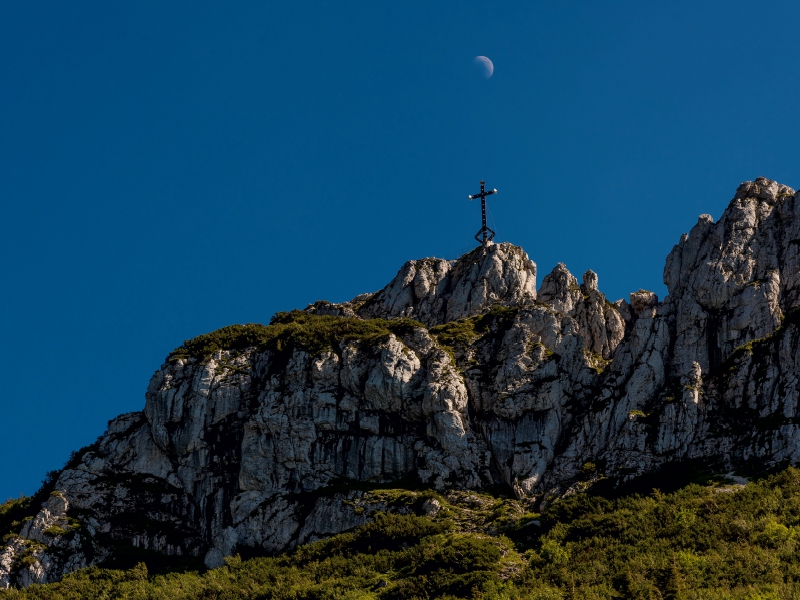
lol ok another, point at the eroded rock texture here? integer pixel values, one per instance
(267, 446)
(435, 291)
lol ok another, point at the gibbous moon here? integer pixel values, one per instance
(484, 65)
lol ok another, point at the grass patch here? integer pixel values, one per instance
(456, 335)
(596, 362)
(292, 330)
(546, 353)
(55, 531)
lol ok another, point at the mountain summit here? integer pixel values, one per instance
(457, 374)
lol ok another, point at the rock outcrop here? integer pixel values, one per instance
(436, 291)
(455, 375)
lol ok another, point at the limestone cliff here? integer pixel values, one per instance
(456, 374)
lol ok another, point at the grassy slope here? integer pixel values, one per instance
(702, 541)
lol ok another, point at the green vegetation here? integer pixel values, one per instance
(456, 335)
(546, 353)
(317, 333)
(596, 361)
(758, 347)
(295, 329)
(711, 541)
(395, 556)
(12, 513)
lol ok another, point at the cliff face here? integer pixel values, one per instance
(266, 437)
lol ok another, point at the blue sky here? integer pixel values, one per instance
(170, 168)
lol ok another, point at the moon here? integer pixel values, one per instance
(484, 65)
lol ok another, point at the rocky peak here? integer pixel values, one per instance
(560, 290)
(731, 282)
(589, 282)
(600, 323)
(643, 303)
(436, 291)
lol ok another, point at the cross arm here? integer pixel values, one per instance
(482, 194)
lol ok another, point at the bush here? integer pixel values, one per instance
(12, 511)
(460, 554)
(774, 534)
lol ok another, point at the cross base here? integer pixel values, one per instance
(485, 235)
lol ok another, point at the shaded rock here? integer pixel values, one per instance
(325, 308)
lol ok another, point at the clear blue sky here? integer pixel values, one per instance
(168, 168)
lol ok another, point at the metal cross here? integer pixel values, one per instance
(485, 235)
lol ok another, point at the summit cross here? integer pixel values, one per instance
(485, 235)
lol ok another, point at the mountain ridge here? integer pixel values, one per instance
(456, 375)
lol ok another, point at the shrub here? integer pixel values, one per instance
(290, 330)
(774, 534)
(457, 334)
(554, 553)
(27, 561)
(55, 531)
(12, 511)
(459, 554)
(696, 542)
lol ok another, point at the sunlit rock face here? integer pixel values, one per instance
(271, 445)
(436, 291)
